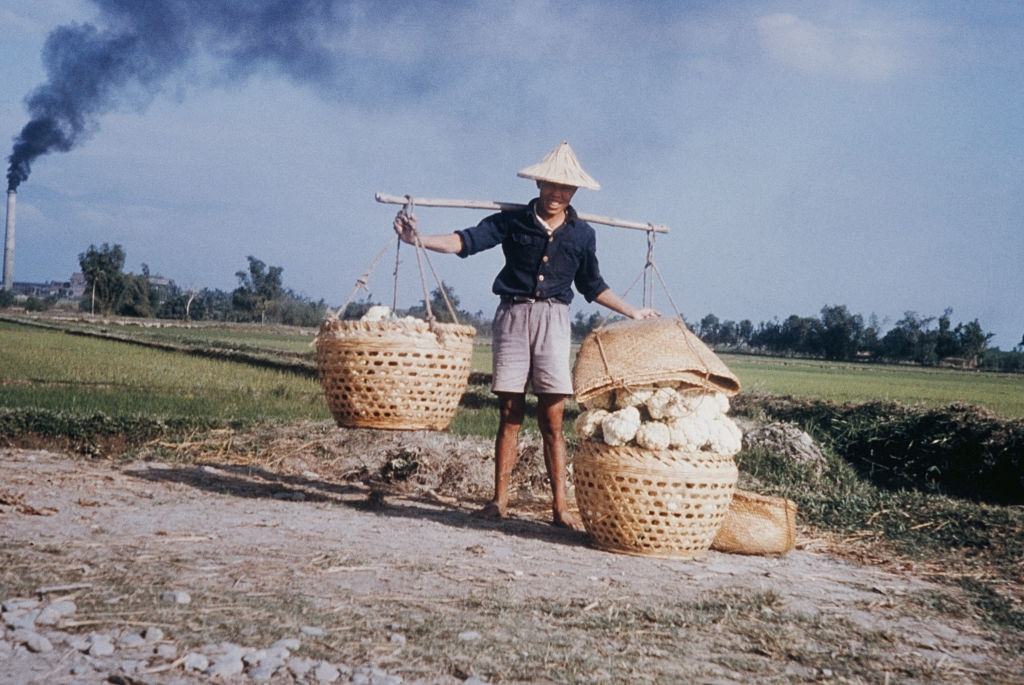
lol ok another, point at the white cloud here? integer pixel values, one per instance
(862, 51)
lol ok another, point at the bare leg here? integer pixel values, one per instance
(550, 410)
(506, 451)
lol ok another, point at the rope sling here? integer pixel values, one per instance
(647, 274)
(421, 257)
(391, 373)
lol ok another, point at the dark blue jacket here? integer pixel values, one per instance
(536, 264)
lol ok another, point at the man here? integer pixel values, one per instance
(547, 250)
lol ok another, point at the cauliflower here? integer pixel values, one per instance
(682, 418)
(707, 407)
(588, 424)
(688, 433)
(701, 428)
(621, 426)
(603, 401)
(653, 435)
(724, 438)
(664, 403)
(632, 398)
(688, 403)
(677, 434)
(734, 442)
(377, 312)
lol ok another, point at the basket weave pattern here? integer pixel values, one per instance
(661, 504)
(645, 353)
(386, 375)
(757, 524)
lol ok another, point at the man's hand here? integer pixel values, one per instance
(609, 299)
(646, 314)
(405, 227)
(407, 231)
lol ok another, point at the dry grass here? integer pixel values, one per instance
(419, 462)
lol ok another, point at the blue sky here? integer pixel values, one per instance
(804, 153)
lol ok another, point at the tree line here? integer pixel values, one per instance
(835, 334)
(260, 296)
(838, 334)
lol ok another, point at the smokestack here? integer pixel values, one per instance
(9, 243)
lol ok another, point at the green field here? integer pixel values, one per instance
(1002, 393)
(847, 382)
(287, 339)
(51, 370)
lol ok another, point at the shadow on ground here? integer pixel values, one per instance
(254, 482)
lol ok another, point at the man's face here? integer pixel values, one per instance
(554, 197)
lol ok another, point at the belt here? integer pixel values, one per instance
(520, 299)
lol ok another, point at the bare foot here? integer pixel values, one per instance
(567, 519)
(491, 510)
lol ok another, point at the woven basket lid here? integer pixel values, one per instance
(641, 353)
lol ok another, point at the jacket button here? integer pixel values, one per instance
(540, 278)
(545, 258)
(537, 294)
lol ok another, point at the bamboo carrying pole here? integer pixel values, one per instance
(509, 206)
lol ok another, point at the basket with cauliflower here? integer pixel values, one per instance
(393, 373)
(654, 470)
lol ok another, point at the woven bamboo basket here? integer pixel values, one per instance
(639, 353)
(665, 503)
(757, 524)
(395, 375)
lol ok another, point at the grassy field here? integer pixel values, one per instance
(51, 370)
(245, 337)
(846, 382)
(47, 369)
(1002, 393)
(280, 339)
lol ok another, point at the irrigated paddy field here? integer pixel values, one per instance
(1003, 393)
(49, 369)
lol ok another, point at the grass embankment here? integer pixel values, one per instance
(978, 547)
(909, 484)
(250, 337)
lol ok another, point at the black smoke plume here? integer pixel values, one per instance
(142, 42)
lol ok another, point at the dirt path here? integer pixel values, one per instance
(425, 591)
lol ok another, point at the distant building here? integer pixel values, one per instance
(165, 287)
(56, 289)
(74, 288)
(77, 285)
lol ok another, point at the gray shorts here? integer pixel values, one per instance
(531, 345)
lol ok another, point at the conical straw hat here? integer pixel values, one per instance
(647, 352)
(561, 166)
